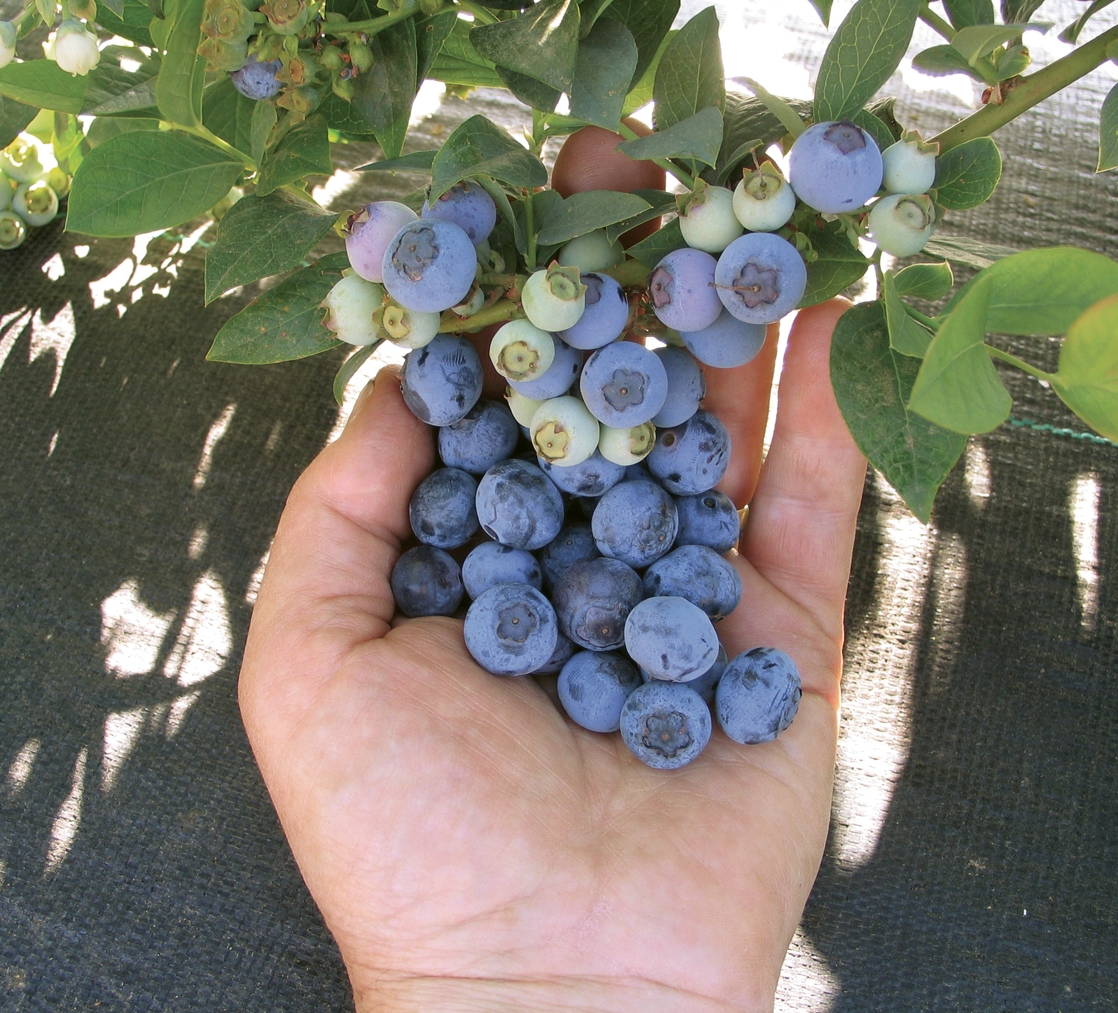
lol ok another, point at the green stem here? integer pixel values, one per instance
(1031, 90)
(935, 22)
(28, 12)
(997, 353)
(372, 26)
(530, 227)
(480, 14)
(500, 312)
(217, 142)
(684, 177)
(916, 315)
(65, 10)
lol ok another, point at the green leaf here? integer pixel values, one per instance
(839, 265)
(584, 212)
(14, 116)
(1042, 291)
(689, 77)
(640, 93)
(350, 367)
(534, 94)
(341, 116)
(925, 281)
(541, 43)
(1071, 33)
(981, 40)
(545, 203)
(656, 247)
(964, 13)
(228, 114)
(905, 334)
(606, 60)
(127, 18)
(148, 180)
(746, 121)
(504, 209)
(111, 90)
(385, 92)
(589, 11)
(966, 176)
(961, 250)
(430, 35)
(415, 161)
(264, 118)
(938, 61)
(104, 127)
(458, 62)
(823, 7)
(872, 384)
(877, 128)
(303, 150)
(1019, 10)
(698, 137)
(263, 236)
(957, 386)
(285, 322)
(788, 117)
(43, 84)
(1108, 131)
(649, 22)
(1087, 380)
(480, 146)
(660, 202)
(178, 91)
(862, 55)
(46, 9)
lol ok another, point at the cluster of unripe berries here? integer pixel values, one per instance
(594, 481)
(29, 192)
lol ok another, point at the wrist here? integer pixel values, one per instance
(479, 995)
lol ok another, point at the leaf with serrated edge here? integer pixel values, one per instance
(957, 386)
(967, 176)
(147, 180)
(42, 83)
(862, 55)
(262, 236)
(584, 212)
(905, 334)
(480, 146)
(1087, 380)
(304, 150)
(606, 60)
(541, 43)
(285, 322)
(698, 137)
(838, 266)
(872, 384)
(690, 77)
(925, 281)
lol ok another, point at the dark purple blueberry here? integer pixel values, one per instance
(708, 518)
(442, 511)
(442, 380)
(518, 505)
(574, 543)
(594, 686)
(426, 582)
(492, 563)
(485, 435)
(593, 599)
(635, 522)
(257, 80)
(468, 206)
(693, 457)
(698, 574)
(592, 477)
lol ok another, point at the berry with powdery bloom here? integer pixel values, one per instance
(835, 167)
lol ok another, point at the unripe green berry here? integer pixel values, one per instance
(592, 252)
(522, 408)
(350, 306)
(407, 328)
(331, 58)
(707, 219)
(763, 200)
(36, 203)
(627, 446)
(12, 230)
(7, 188)
(20, 161)
(521, 351)
(909, 165)
(563, 431)
(902, 224)
(554, 299)
(360, 56)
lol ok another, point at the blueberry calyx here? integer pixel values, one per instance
(625, 390)
(666, 732)
(516, 622)
(845, 137)
(417, 255)
(756, 286)
(659, 287)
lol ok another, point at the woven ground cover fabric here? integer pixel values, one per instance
(973, 856)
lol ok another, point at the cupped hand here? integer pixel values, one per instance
(470, 848)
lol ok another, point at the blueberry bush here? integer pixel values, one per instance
(141, 115)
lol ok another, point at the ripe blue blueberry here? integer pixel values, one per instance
(429, 265)
(698, 574)
(442, 380)
(665, 725)
(485, 435)
(592, 477)
(760, 278)
(758, 695)
(518, 505)
(426, 582)
(682, 290)
(442, 511)
(835, 167)
(492, 563)
(573, 544)
(726, 343)
(705, 684)
(623, 384)
(558, 378)
(605, 316)
(635, 522)
(670, 638)
(470, 208)
(510, 629)
(593, 599)
(708, 518)
(686, 386)
(693, 457)
(256, 80)
(564, 649)
(368, 233)
(594, 686)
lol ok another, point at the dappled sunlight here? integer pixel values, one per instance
(877, 695)
(977, 473)
(205, 639)
(20, 770)
(55, 336)
(218, 429)
(808, 984)
(65, 826)
(1085, 538)
(131, 633)
(122, 732)
(949, 596)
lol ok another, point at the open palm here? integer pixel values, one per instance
(470, 847)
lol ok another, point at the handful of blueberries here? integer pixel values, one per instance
(594, 484)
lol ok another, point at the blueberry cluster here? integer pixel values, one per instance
(29, 192)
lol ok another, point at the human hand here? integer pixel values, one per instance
(472, 849)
